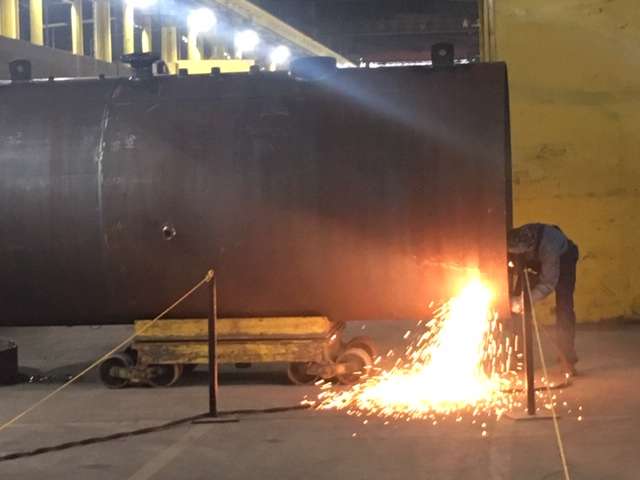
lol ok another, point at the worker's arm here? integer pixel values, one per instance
(552, 246)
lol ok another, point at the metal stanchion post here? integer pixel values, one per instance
(528, 345)
(214, 415)
(529, 366)
(213, 342)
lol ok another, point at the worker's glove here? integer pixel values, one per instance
(516, 305)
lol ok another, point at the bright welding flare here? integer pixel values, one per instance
(445, 369)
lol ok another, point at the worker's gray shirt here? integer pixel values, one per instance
(552, 245)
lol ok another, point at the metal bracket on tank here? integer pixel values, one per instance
(442, 54)
(145, 65)
(20, 70)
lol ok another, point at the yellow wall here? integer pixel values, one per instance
(574, 69)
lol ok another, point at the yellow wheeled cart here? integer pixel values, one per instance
(313, 347)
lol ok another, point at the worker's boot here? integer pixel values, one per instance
(571, 369)
(568, 364)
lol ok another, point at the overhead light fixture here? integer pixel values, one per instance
(280, 55)
(245, 41)
(201, 20)
(141, 4)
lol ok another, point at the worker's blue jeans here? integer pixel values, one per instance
(565, 314)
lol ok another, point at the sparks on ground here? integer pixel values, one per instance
(455, 365)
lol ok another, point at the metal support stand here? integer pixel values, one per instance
(213, 342)
(528, 348)
(529, 366)
(213, 416)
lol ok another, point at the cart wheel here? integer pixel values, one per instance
(357, 361)
(365, 343)
(297, 373)
(119, 360)
(165, 375)
(188, 368)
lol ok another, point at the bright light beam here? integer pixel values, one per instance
(201, 20)
(279, 56)
(245, 41)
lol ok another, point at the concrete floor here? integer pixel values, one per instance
(306, 444)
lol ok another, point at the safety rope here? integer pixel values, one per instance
(208, 277)
(561, 356)
(554, 416)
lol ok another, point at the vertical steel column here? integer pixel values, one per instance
(169, 47)
(128, 28)
(102, 30)
(493, 48)
(486, 9)
(35, 22)
(146, 39)
(193, 50)
(527, 319)
(213, 341)
(483, 27)
(218, 47)
(10, 19)
(77, 28)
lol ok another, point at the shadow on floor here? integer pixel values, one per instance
(228, 375)
(237, 377)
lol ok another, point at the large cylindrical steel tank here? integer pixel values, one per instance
(362, 195)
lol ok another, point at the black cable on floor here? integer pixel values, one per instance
(141, 431)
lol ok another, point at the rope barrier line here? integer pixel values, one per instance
(208, 277)
(561, 356)
(554, 416)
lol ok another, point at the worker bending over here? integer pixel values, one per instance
(553, 256)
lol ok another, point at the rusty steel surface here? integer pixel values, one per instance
(362, 196)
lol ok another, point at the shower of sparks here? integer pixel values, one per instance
(456, 365)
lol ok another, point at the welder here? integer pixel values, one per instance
(552, 256)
